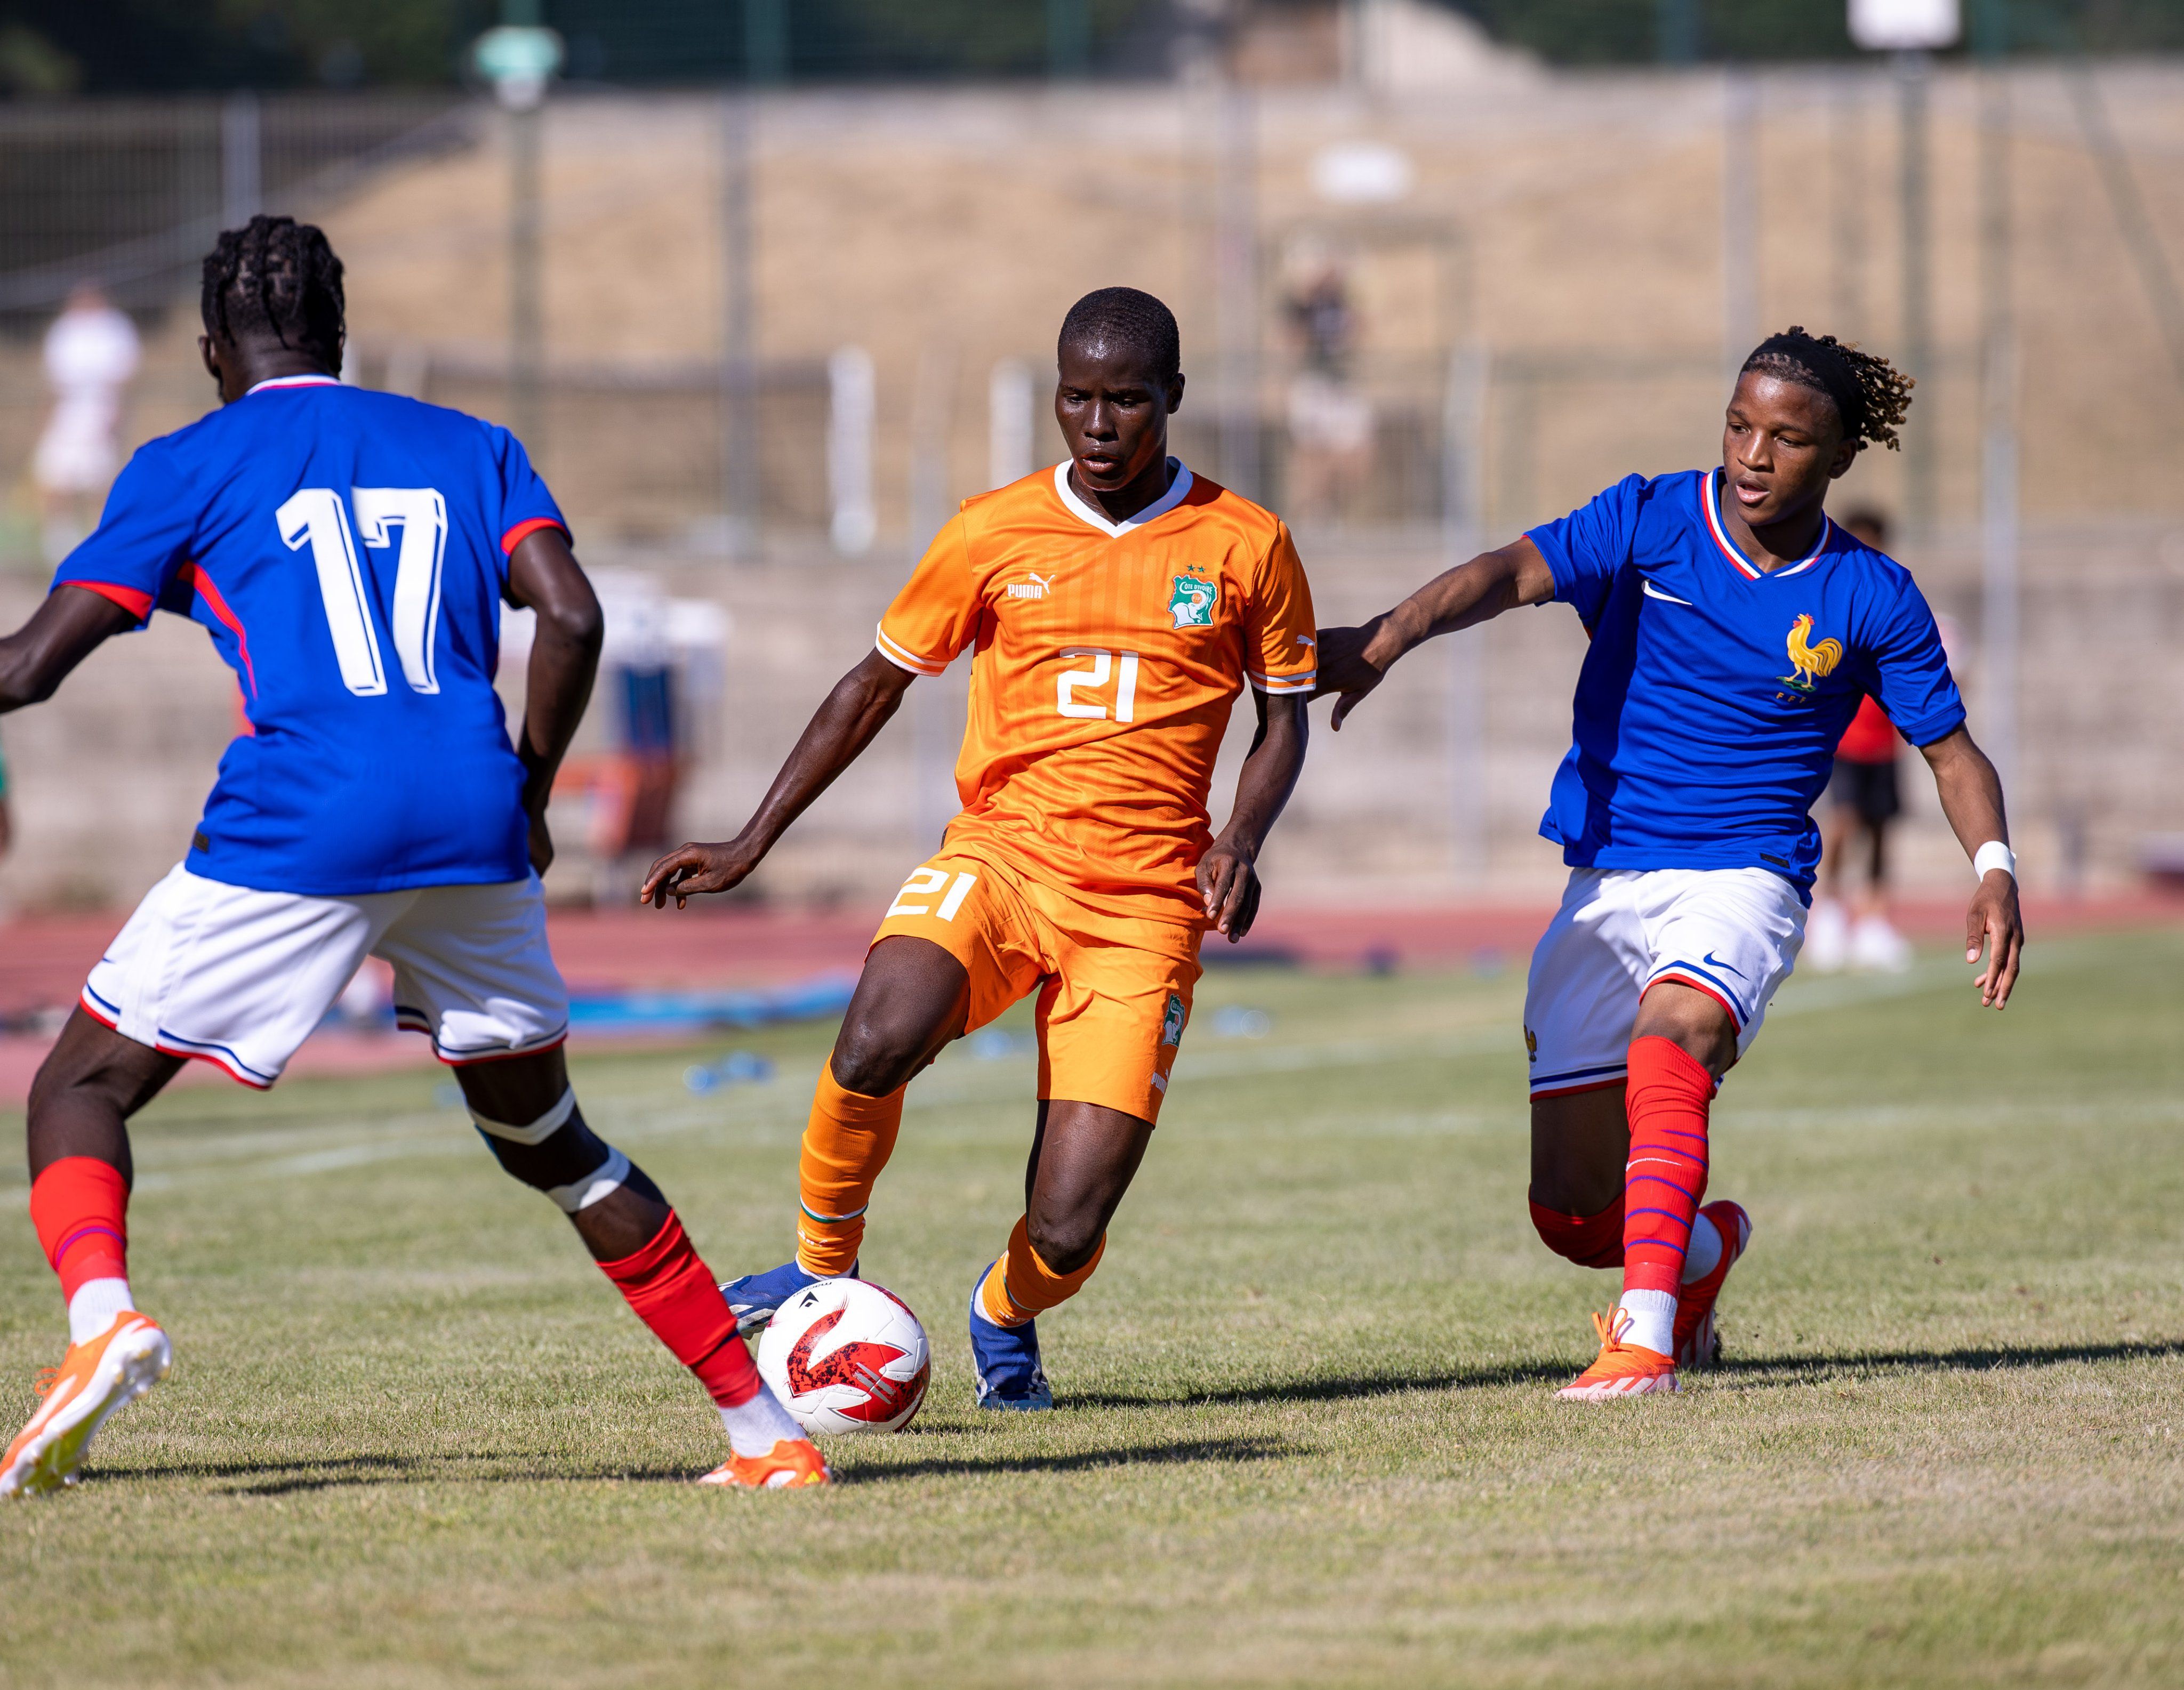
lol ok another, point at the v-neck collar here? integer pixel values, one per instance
(1178, 490)
(1710, 502)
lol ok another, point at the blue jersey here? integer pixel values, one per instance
(348, 551)
(1709, 705)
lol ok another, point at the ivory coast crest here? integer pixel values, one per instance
(1192, 599)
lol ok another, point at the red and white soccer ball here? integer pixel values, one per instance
(846, 1356)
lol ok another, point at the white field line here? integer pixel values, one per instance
(776, 1107)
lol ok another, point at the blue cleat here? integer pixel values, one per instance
(756, 1297)
(1006, 1360)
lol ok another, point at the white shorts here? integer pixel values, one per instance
(239, 978)
(1732, 933)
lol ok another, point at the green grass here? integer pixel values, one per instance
(411, 1437)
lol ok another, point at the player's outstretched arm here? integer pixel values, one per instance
(1971, 798)
(72, 623)
(1228, 874)
(1352, 661)
(856, 709)
(544, 577)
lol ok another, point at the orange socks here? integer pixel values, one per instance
(1020, 1286)
(846, 1143)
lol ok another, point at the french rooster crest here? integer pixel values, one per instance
(1811, 662)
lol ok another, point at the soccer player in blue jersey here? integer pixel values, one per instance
(348, 552)
(1735, 628)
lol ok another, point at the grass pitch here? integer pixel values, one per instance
(411, 1437)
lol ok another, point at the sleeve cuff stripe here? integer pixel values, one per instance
(903, 659)
(523, 531)
(137, 602)
(1302, 682)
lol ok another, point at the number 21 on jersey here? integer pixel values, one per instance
(319, 515)
(1122, 665)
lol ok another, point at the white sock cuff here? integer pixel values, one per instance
(93, 1308)
(602, 1181)
(755, 1427)
(539, 1130)
(1653, 1321)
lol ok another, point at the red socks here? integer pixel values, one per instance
(1593, 1241)
(80, 1206)
(1668, 1094)
(674, 1294)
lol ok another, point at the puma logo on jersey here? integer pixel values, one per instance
(1036, 588)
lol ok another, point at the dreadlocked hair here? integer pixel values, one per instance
(1126, 320)
(277, 277)
(1870, 394)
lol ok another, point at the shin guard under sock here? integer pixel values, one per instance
(1665, 1179)
(846, 1142)
(675, 1294)
(1021, 1286)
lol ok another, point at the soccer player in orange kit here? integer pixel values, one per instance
(1116, 605)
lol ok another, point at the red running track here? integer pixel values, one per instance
(43, 959)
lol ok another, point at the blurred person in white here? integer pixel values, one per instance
(1864, 801)
(90, 356)
(1330, 420)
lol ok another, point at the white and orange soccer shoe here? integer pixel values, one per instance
(1622, 1369)
(93, 1380)
(790, 1465)
(1697, 1345)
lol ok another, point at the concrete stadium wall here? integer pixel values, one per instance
(110, 776)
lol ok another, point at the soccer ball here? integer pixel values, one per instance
(846, 1356)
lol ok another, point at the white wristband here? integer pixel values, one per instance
(1992, 855)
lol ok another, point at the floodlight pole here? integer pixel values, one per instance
(1068, 39)
(1913, 74)
(1846, 106)
(242, 187)
(1740, 217)
(1464, 492)
(742, 478)
(2000, 594)
(527, 320)
(1236, 285)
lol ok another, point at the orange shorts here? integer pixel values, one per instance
(1114, 993)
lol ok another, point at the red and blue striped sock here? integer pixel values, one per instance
(1663, 1183)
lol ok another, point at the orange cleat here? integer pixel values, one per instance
(1697, 1345)
(1622, 1369)
(790, 1465)
(93, 1380)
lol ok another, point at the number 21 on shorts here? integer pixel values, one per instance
(924, 884)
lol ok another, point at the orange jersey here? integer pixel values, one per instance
(1108, 655)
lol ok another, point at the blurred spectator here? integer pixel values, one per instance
(7, 815)
(1330, 420)
(1863, 802)
(660, 674)
(91, 355)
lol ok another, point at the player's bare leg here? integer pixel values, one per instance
(1618, 1176)
(1083, 1159)
(527, 1111)
(912, 1000)
(81, 1173)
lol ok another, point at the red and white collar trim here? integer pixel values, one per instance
(1177, 491)
(1710, 500)
(292, 381)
